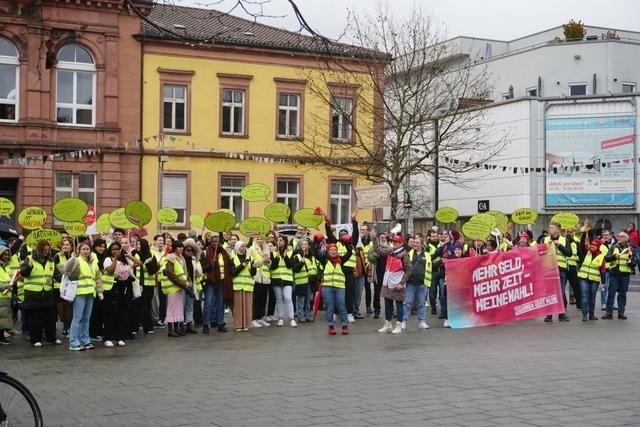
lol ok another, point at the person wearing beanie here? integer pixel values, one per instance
(397, 272)
(524, 240)
(591, 263)
(5, 294)
(243, 270)
(622, 264)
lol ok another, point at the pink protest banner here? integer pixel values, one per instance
(503, 287)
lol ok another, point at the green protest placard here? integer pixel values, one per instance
(32, 217)
(306, 218)
(446, 215)
(118, 219)
(476, 230)
(277, 212)
(70, 209)
(75, 229)
(103, 224)
(566, 219)
(138, 213)
(485, 218)
(524, 216)
(167, 216)
(44, 234)
(502, 222)
(255, 226)
(220, 222)
(6, 207)
(196, 221)
(256, 193)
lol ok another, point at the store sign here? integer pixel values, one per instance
(590, 161)
(483, 206)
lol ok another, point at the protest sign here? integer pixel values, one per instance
(138, 213)
(277, 212)
(255, 193)
(167, 216)
(6, 207)
(75, 229)
(44, 234)
(502, 222)
(32, 217)
(118, 219)
(374, 196)
(70, 209)
(196, 221)
(307, 218)
(566, 219)
(103, 224)
(446, 215)
(503, 287)
(256, 226)
(476, 230)
(220, 221)
(524, 216)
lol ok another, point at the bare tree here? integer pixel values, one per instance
(414, 99)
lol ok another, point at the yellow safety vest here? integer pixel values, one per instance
(365, 250)
(573, 259)
(87, 278)
(168, 287)
(282, 272)
(308, 270)
(621, 263)
(41, 277)
(333, 276)
(590, 269)
(5, 279)
(199, 278)
(342, 249)
(244, 280)
(562, 259)
(427, 266)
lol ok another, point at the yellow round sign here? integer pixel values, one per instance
(32, 217)
(524, 216)
(446, 215)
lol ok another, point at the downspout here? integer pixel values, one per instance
(140, 138)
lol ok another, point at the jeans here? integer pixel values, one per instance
(388, 309)
(563, 286)
(82, 306)
(213, 299)
(604, 289)
(433, 290)
(359, 287)
(188, 307)
(442, 288)
(617, 284)
(588, 290)
(574, 283)
(283, 299)
(411, 293)
(334, 298)
(303, 302)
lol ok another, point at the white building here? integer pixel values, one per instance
(569, 110)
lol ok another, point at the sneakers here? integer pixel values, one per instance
(150, 332)
(65, 333)
(264, 323)
(592, 317)
(293, 324)
(369, 311)
(398, 329)
(226, 310)
(78, 348)
(585, 317)
(160, 325)
(255, 324)
(345, 330)
(423, 325)
(604, 307)
(270, 318)
(386, 328)
(280, 322)
(4, 341)
(121, 343)
(403, 325)
(109, 344)
(38, 344)
(89, 346)
(446, 323)
(332, 330)
(548, 319)
(622, 316)
(350, 318)
(358, 316)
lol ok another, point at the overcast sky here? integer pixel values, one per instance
(496, 19)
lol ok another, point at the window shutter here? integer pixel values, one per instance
(174, 191)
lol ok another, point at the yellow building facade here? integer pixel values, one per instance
(217, 117)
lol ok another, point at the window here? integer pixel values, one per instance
(576, 89)
(342, 118)
(9, 79)
(340, 202)
(174, 195)
(532, 91)
(75, 89)
(81, 185)
(288, 192)
(628, 87)
(174, 111)
(288, 115)
(232, 112)
(230, 188)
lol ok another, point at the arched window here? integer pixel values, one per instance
(9, 81)
(76, 87)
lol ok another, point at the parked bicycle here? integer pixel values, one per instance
(18, 406)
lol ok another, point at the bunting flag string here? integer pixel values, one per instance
(60, 155)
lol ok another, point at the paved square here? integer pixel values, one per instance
(530, 373)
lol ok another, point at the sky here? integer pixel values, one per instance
(495, 19)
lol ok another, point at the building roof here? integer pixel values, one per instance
(169, 22)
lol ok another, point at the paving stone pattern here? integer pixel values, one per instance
(529, 373)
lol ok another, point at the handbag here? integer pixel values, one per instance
(68, 288)
(137, 289)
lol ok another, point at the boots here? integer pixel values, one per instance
(180, 329)
(398, 329)
(190, 329)
(386, 328)
(171, 330)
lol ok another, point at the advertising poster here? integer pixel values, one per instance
(589, 161)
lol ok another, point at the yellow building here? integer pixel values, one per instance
(218, 116)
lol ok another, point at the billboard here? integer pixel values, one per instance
(590, 161)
